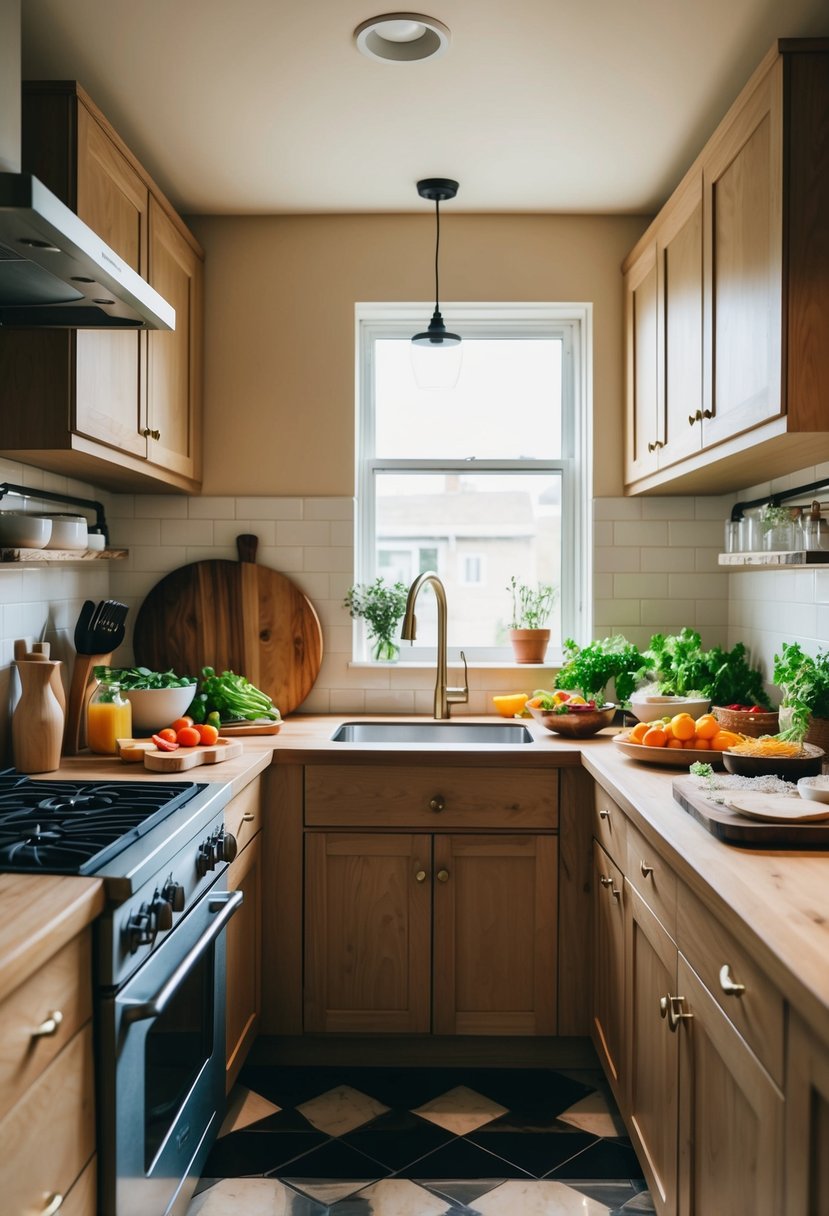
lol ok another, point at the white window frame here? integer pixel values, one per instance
(573, 323)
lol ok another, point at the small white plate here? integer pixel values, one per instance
(777, 808)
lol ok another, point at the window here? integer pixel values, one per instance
(483, 481)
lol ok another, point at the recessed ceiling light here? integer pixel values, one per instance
(402, 37)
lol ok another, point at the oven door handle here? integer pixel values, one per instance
(225, 904)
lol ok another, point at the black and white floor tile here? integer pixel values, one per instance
(421, 1142)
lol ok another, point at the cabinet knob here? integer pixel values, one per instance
(437, 804)
(420, 876)
(708, 413)
(48, 1027)
(728, 985)
(604, 814)
(248, 817)
(670, 1007)
(646, 869)
(657, 443)
(53, 1204)
(148, 433)
(697, 417)
(443, 875)
(605, 881)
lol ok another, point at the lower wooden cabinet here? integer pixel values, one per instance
(807, 1122)
(608, 968)
(411, 933)
(244, 958)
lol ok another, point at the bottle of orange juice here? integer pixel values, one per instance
(108, 718)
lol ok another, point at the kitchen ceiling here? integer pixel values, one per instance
(266, 106)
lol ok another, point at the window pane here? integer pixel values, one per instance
(506, 404)
(472, 526)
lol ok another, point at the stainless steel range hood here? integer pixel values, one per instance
(56, 272)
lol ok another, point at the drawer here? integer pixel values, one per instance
(82, 1199)
(757, 1011)
(609, 826)
(49, 1136)
(243, 814)
(62, 986)
(651, 877)
(430, 799)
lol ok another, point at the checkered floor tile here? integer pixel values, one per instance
(421, 1142)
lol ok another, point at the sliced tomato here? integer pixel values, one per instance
(164, 745)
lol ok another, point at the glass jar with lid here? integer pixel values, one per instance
(108, 718)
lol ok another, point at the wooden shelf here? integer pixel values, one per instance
(794, 559)
(32, 556)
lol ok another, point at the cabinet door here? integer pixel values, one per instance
(807, 1122)
(743, 174)
(679, 245)
(495, 944)
(608, 973)
(642, 429)
(731, 1114)
(109, 387)
(367, 932)
(244, 958)
(174, 358)
(652, 1062)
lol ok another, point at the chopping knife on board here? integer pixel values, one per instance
(233, 616)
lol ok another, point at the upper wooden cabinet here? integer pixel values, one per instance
(119, 409)
(727, 295)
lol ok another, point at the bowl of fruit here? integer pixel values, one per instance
(678, 741)
(752, 720)
(569, 714)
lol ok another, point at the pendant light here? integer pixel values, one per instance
(436, 353)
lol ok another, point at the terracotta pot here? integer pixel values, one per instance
(529, 645)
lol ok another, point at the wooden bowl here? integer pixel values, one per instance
(575, 725)
(790, 768)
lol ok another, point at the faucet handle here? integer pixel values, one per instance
(457, 695)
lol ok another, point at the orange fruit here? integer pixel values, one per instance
(639, 731)
(723, 740)
(510, 704)
(676, 743)
(689, 744)
(707, 726)
(655, 737)
(702, 745)
(683, 727)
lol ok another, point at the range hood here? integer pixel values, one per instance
(55, 272)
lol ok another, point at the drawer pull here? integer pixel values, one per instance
(653, 447)
(420, 876)
(646, 869)
(604, 814)
(55, 1202)
(248, 817)
(729, 986)
(605, 881)
(47, 1028)
(437, 804)
(670, 1007)
(443, 875)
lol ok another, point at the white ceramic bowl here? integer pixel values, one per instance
(816, 789)
(20, 530)
(154, 708)
(68, 531)
(648, 708)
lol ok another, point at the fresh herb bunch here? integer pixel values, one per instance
(681, 667)
(141, 677)
(531, 606)
(382, 608)
(591, 668)
(804, 682)
(775, 517)
(233, 697)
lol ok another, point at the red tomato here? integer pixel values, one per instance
(207, 733)
(164, 745)
(168, 733)
(188, 736)
(180, 723)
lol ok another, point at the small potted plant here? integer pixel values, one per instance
(382, 608)
(777, 524)
(531, 608)
(804, 683)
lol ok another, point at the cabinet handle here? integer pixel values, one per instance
(604, 814)
(697, 417)
(728, 985)
(670, 1007)
(437, 804)
(55, 1202)
(605, 881)
(657, 443)
(443, 875)
(49, 1027)
(420, 876)
(646, 869)
(248, 817)
(708, 413)
(148, 433)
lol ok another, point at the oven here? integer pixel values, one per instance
(162, 852)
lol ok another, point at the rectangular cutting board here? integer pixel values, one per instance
(735, 829)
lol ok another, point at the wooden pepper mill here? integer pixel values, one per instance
(37, 725)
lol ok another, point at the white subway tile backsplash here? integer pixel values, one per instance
(616, 560)
(622, 612)
(342, 533)
(644, 533)
(705, 533)
(617, 508)
(335, 560)
(638, 586)
(328, 508)
(698, 586)
(667, 616)
(668, 508)
(187, 532)
(307, 533)
(211, 508)
(269, 508)
(160, 506)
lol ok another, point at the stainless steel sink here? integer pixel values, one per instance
(496, 734)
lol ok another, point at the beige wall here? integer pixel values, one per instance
(280, 295)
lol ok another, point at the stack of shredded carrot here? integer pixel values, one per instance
(766, 745)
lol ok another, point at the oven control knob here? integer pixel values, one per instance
(162, 910)
(141, 929)
(227, 846)
(206, 858)
(173, 892)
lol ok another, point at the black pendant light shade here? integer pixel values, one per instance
(437, 336)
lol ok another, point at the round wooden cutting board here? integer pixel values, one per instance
(233, 616)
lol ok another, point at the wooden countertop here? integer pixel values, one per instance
(40, 913)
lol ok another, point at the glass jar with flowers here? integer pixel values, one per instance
(381, 607)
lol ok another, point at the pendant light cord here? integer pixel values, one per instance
(437, 251)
